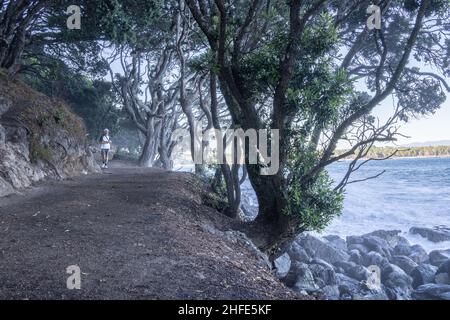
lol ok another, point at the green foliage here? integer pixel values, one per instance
(211, 175)
(59, 115)
(315, 96)
(215, 201)
(313, 204)
(56, 116)
(120, 22)
(420, 96)
(203, 62)
(131, 21)
(92, 100)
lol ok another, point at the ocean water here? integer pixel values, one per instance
(411, 192)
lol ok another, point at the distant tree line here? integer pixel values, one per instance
(388, 152)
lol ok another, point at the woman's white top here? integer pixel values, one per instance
(105, 143)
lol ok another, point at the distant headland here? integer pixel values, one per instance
(408, 151)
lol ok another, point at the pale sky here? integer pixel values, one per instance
(426, 129)
(430, 128)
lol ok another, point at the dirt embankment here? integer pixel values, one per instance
(40, 138)
(135, 234)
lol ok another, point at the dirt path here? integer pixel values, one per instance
(134, 233)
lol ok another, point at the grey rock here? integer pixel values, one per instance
(358, 272)
(298, 269)
(331, 292)
(390, 236)
(398, 284)
(443, 273)
(379, 294)
(319, 249)
(374, 259)
(374, 243)
(442, 278)
(358, 246)
(347, 286)
(399, 293)
(432, 292)
(354, 240)
(323, 274)
(344, 265)
(391, 268)
(300, 278)
(444, 268)
(438, 257)
(418, 255)
(337, 242)
(297, 253)
(2, 136)
(423, 274)
(5, 188)
(307, 284)
(282, 265)
(4, 105)
(402, 250)
(405, 263)
(355, 256)
(322, 263)
(436, 234)
(320, 283)
(338, 269)
(384, 234)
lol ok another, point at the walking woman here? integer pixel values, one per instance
(105, 146)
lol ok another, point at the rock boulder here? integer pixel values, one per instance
(317, 248)
(423, 274)
(432, 292)
(436, 234)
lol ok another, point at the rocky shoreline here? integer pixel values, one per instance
(381, 265)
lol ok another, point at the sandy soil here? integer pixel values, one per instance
(135, 234)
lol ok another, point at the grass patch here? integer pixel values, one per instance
(38, 151)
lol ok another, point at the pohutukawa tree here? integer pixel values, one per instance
(303, 67)
(17, 20)
(141, 36)
(148, 98)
